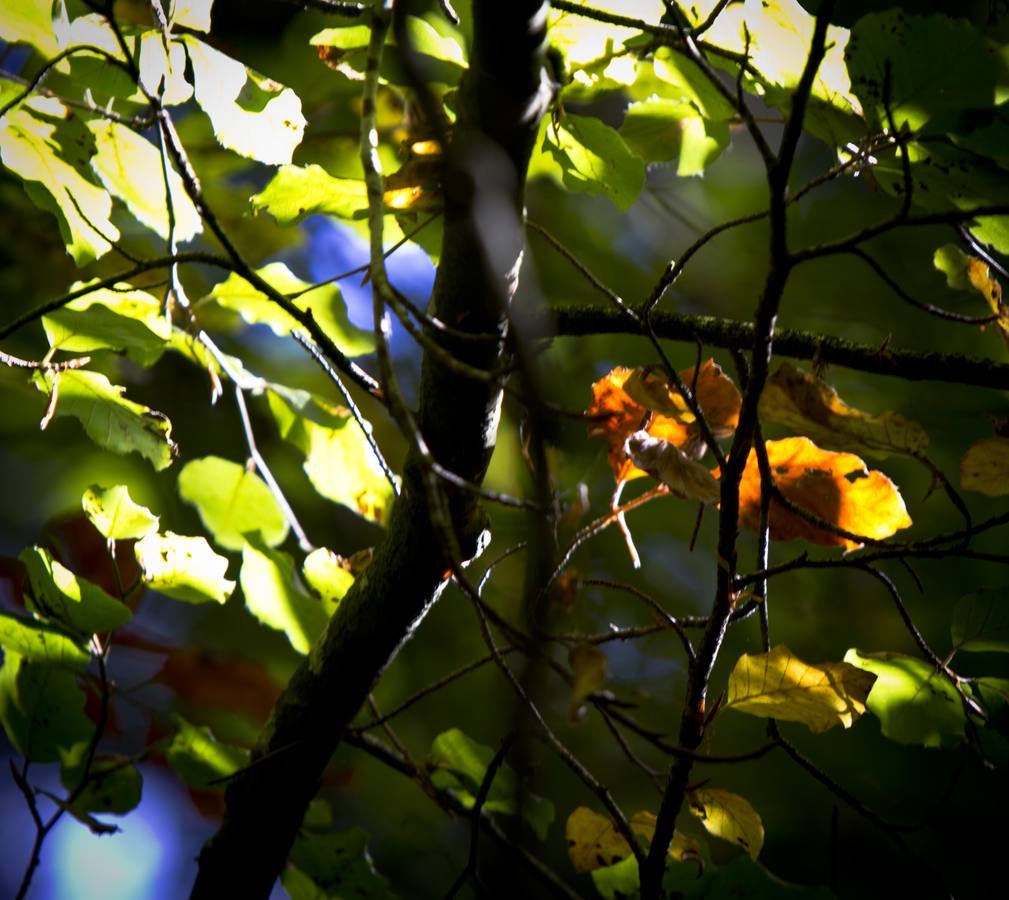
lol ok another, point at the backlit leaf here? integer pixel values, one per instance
(779, 685)
(29, 22)
(658, 130)
(803, 402)
(51, 151)
(130, 168)
(41, 708)
(915, 704)
(337, 865)
(328, 575)
(985, 467)
(667, 463)
(338, 460)
(325, 303)
(952, 262)
(232, 502)
(38, 642)
(273, 596)
(109, 419)
(115, 513)
(296, 192)
(114, 783)
(184, 568)
(59, 594)
(460, 766)
(194, 14)
(981, 621)
(836, 487)
(250, 114)
(594, 842)
(981, 279)
(199, 758)
(729, 817)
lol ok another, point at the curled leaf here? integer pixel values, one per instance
(980, 277)
(834, 487)
(669, 464)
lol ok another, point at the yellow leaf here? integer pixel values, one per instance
(666, 462)
(985, 467)
(589, 667)
(779, 685)
(982, 281)
(803, 402)
(835, 487)
(594, 842)
(728, 816)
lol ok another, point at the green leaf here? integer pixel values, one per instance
(183, 568)
(116, 515)
(940, 67)
(592, 158)
(232, 502)
(981, 621)
(729, 817)
(121, 319)
(109, 419)
(41, 708)
(327, 577)
(200, 758)
(250, 114)
(462, 764)
(50, 151)
(338, 460)
(681, 80)
(39, 642)
(618, 881)
(336, 865)
(325, 303)
(59, 594)
(273, 596)
(114, 783)
(297, 192)
(741, 879)
(659, 130)
(30, 22)
(994, 694)
(952, 262)
(779, 685)
(914, 703)
(130, 167)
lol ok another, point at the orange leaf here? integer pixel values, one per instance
(980, 277)
(657, 408)
(835, 487)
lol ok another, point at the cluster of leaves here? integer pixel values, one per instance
(92, 139)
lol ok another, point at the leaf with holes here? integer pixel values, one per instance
(183, 568)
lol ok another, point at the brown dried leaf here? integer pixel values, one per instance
(835, 487)
(667, 463)
(803, 402)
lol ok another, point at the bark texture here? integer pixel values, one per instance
(502, 100)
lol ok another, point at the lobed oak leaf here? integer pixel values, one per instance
(835, 487)
(779, 685)
(628, 400)
(985, 467)
(801, 401)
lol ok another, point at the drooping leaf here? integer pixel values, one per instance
(273, 596)
(120, 319)
(38, 642)
(836, 487)
(803, 402)
(328, 575)
(297, 192)
(183, 568)
(59, 594)
(628, 400)
(729, 817)
(981, 279)
(114, 783)
(338, 459)
(985, 467)
(779, 685)
(199, 757)
(594, 842)
(461, 764)
(250, 114)
(981, 621)
(232, 502)
(325, 303)
(337, 865)
(41, 708)
(915, 704)
(741, 879)
(109, 419)
(667, 463)
(589, 670)
(115, 513)
(51, 151)
(590, 157)
(130, 167)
